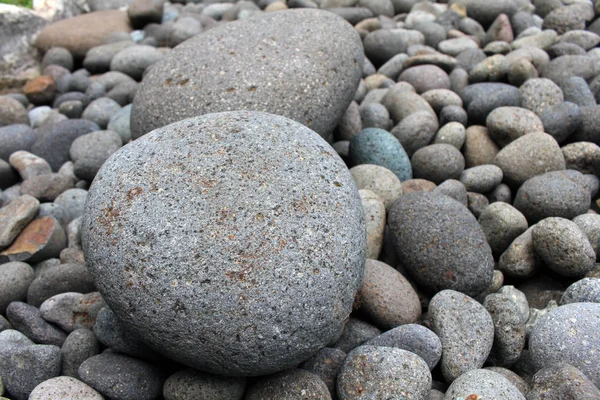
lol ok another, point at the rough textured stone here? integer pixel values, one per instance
(63, 387)
(509, 329)
(189, 384)
(437, 163)
(288, 385)
(440, 243)
(586, 290)
(59, 279)
(332, 71)
(501, 223)
(479, 148)
(80, 345)
(27, 319)
(355, 333)
(233, 207)
(380, 180)
(506, 124)
(90, 151)
(14, 138)
(379, 147)
(486, 384)
(590, 225)
(12, 112)
(15, 278)
(42, 238)
(562, 381)
(520, 259)
(326, 364)
(375, 217)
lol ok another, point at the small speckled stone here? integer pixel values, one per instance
(416, 131)
(562, 120)
(58, 309)
(15, 278)
(563, 246)
(90, 151)
(501, 223)
(402, 101)
(586, 290)
(425, 77)
(437, 163)
(379, 147)
(454, 189)
(482, 178)
(414, 338)
(29, 165)
(590, 225)
(100, 111)
(383, 372)
(189, 384)
(583, 157)
(486, 384)
(326, 365)
(479, 148)
(355, 333)
(540, 93)
(439, 239)
(465, 329)
(27, 319)
(379, 180)
(509, 329)
(568, 334)
(46, 187)
(452, 133)
(59, 279)
(80, 345)
(375, 221)
(506, 124)
(17, 137)
(63, 387)
(476, 203)
(562, 381)
(134, 60)
(288, 385)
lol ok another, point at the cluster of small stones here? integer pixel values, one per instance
(463, 136)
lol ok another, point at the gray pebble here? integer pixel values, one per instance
(509, 329)
(90, 151)
(379, 180)
(465, 329)
(454, 189)
(98, 58)
(566, 66)
(425, 77)
(326, 364)
(487, 384)
(586, 290)
(476, 203)
(561, 381)
(375, 217)
(561, 120)
(71, 109)
(64, 387)
(416, 131)
(501, 223)
(14, 138)
(540, 93)
(134, 60)
(100, 111)
(27, 319)
(73, 202)
(383, 372)
(15, 278)
(375, 115)
(589, 130)
(506, 124)
(58, 310)
(12, 112)
(401, 102)
(59, 279)
(590, 225)
(119, 123)
(479, 148)
(583, 157)
(437, 163)
(351, 123)
(58, 56)
(80, 345)
(441, 98)
(502, 192)
(46, 187)
(482, 178)
(452, 133)
(576, 90)
(288, 385)
(355, 333)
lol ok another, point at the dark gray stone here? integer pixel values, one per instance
(440, 238)
(190, 384)
(590, 225)
(80, 345)
(59, 279)
(134, 60)
(476, 203)
(562, 120)
(586, 290)
(590, 126)
(98, 58)
(383, 372)
(73, 202)
(326, 364)
(198, 274)
(479, 109)
(560, 50)
(501, 223)
(15, 278)
(465, 329)
(437, 163)
(334, 48)
(121, 377)
(355, 333)
(14, 138)
(91, 150)
(509, 329)
(577, 91)
(288, 385)
(487, 384)
(562, 381)
(27, 319)
(568, 334)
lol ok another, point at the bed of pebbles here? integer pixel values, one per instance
(225, 256)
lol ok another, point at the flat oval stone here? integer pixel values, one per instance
(264, 63)
(225, 258)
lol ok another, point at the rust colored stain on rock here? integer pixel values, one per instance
(39, 85)
(33, 238)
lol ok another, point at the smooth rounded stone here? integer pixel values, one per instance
(561, 120)
(378, 7)
(375, 115)
(54, 141)
(542, 40)
(46, 187)
(79, 81)
(576, 90)
(93, 92)
(15, 216)
(540, 93)
(80, 345)
(564, 49)
(567, 18)
(563, 246)
(15, 138)
(111, 332)
(59, 279)
(355, 333)
(119, 123)
(402, 102)
(516, 164)
(99, 58)
(263, 91)
(520, 71)
(23, 367)
(425, 77)
(379, 180)
(418, 185)
(434, 33)
(465, 329)
(590, 225)
(383, 372)
(27, 319)
(73, 202)
(42, 238)
(71, 109)
(502, 192)
(414, 338)
(100, 111)
(134, 60)
(589, 130)
(453, 47)
(494, 69)
(382, 45)
(506, 124)
(441, 243)
(416, 131)
(12, 112)
(585, 39)
(189, 384)
(513, 378)
(386, 297)
(85, 312)
(121, 377)
(509, 329)
(561, 381)
(15, 278)
(350, 124)
(59, 56)
(375, 95)
(375, 221)
(487, 384)
(69, 96)
(479, 109)
(454, 189)
(437, 163)
(553, 194)
(479, 148)
(123, 93)
(452, 133)
(325, 177)
(288, 385)
(90, 151)
(564, 67)
(468, 58)
(493, 287)
(586, 290)
(143, 12)
(4, 324)
(393, 67)
(58, 309)
(568, 334)
(501, 223)
(482, 178)
(64, 387)
(476, 203)
(438, 99)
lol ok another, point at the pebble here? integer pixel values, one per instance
(476, 203)
(12, 112)
(479, 148)
(120, 377)
(501, 223)
(15, 138)
(73, 202)
(383, 372)
(40, 90)
(58, 56)
(64, 387)
(100, 111)
(27, 319)
(465, 329)
(563, 247)
(590, 225)
(586, 290)
(588, 131)
(375, 115)
(425, 77)
(375, 217)
(454, 189)
(482, 178)
(437, 163)
(562, 120)
(326, 364)
(401, 102)
(487, 384)
(414, 338)
(553, 194)
(379, 147)
(46, 187)
(189, 384)
(42, 238)
(416, 131)
(293, 383)
(540, 93)
(134, 60)
(567, 334)
(425, 221)
(576, 90)
(509, 329)
(119, 123)
(15, 278)
(80, 345)
(506, 124)
(452, 133)
(438, 99)
(583, 157)
(15, 216)
(58, 310)
(561, 381)
(59, 279)
(379, 180)
(90, 151)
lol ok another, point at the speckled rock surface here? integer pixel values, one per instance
(562, 381)
(189, 384)
(320, 75)
(484, 384)
(229, 241)
(288, 385)
(64, 387)
(440, 243)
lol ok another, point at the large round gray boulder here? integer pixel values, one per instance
(440, 243)
(233, 243)
(303, 64)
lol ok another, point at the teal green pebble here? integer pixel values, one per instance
(379, 147)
